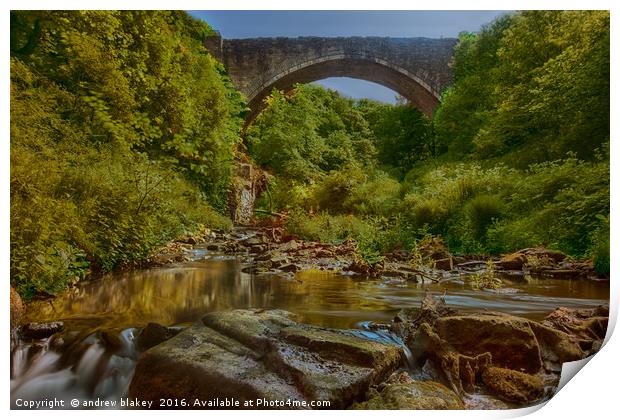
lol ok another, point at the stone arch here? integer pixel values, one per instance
(360, 66)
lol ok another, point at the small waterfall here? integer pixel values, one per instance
(88, 368)
(382, 335)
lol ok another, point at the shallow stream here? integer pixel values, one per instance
(97, 352)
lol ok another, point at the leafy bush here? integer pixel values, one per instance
(378, 196)
(482, 211)
(119, 142)
(333, 191)
(485, 279)
(329, 229)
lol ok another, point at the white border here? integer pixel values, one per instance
(592, 394)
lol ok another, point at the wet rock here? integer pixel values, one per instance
(324, 253)
(416, 395)
(264, 257)
(34, 350)
(257, 249)
(168, 254)
(399, 274)
(459, 348)
(57, 343)
(584, 323)
(535, 259)
(252, 241)
(191, 240)
(510, 340)
(188, 240)
(589, 326)
(289, 246)
(407, 321)
(289, 268)
(278, 260)
(233, 247)
(17, 308)
(513, 386)
(513, 275)
(542, 253)
(257, 267)
(111, 340)
(254, 269)
(359, 266)
(514, 261)
(556, 347)
(401, 377)
(457, 370)
(38, 331)
(251, 354)
(153, 334)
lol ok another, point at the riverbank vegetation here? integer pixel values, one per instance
(516, 155)
(123, 132)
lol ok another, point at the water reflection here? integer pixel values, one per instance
(98, 356)
(177, 295)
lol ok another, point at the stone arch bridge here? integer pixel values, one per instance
(417, 68)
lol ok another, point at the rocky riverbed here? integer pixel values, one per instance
(437, 359)
(340, 338)
(272, 250)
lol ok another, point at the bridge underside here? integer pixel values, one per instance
(399, 80)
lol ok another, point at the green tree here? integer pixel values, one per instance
(123, 130)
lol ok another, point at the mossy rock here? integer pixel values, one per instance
(510, 385)
(417, 395)
(256, 354)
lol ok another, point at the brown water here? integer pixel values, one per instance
(178, 295)
(119, 303)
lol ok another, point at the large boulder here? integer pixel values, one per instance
(461, 348)
(255, 355)
(510, 340)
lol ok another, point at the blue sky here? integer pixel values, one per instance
(432, 24)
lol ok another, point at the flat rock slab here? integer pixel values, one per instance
(254, 355)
